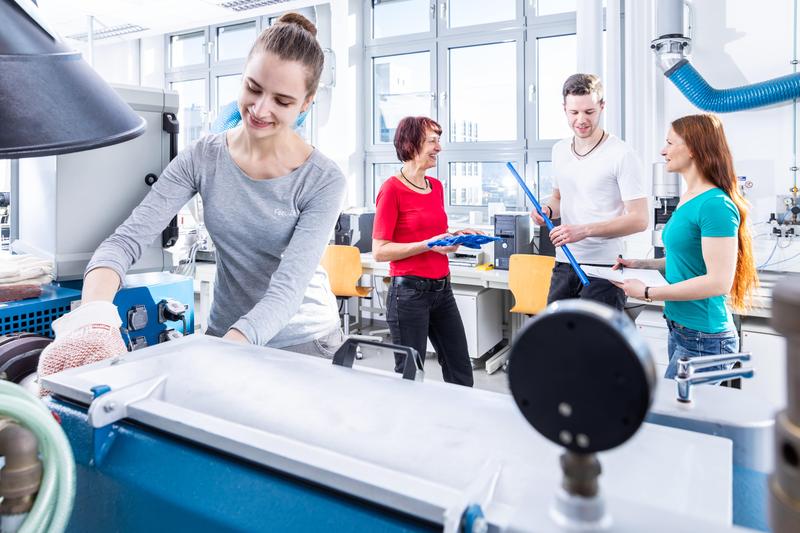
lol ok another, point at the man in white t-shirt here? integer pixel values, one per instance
(598, 193)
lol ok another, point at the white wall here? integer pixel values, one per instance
(735, 43)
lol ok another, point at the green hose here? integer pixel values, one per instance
(53, 506)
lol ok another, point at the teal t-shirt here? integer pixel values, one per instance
(710, 214)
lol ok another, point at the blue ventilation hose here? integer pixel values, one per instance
(707, 98)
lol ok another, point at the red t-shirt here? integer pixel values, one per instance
(403, 215)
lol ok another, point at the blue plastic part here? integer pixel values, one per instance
(148, 290)
(103, 437)
(229, 117)
(575, 266)
(470, 241)
(35, 315)
(472, 513)
(152, 481)
(702, 95)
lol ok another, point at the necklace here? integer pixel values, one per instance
(574, 151)
(425, 188)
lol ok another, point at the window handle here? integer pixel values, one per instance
(531, 92)
(433, 9)
(443, 10)
(442, 99)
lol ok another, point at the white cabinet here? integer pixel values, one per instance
(481, 312)
(768, 359)
(653, 328)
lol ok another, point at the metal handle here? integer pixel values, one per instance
(685, 382)
(412, 364)
(686, 365)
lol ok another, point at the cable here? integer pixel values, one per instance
(795, 256)
(766, 263)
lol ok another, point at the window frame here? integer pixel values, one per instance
(386, 51)
(443, 88)
(444, 30)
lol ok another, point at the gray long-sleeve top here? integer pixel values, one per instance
(269, 237)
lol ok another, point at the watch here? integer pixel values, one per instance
(647, 295)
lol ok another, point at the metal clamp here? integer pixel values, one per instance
(112, 406)
(687, 367)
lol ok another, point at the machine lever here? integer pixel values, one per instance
(412, 365)
(685, 382)
(686, 365)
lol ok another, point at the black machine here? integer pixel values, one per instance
(515, 231)
(354, 228)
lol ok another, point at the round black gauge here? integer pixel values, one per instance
(582, 376)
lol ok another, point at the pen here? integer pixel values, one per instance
(620, 264)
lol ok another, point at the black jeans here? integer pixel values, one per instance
(565, 283)
(415, 314)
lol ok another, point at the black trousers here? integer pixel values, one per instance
(414, 315)
(565, 284)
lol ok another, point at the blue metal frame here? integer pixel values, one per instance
(152, 481)
(35, 315)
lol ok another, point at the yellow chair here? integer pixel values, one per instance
(529, 282)
(343, 265)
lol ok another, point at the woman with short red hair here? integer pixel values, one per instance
(410, 214)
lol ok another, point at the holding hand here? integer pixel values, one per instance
(565, 234)
(468, 231)
(539, 219)
(633, 288)
(444, 250)
(628, 263)
(86, 335)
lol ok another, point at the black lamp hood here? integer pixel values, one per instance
(51, 100)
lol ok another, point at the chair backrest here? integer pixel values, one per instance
(529, 281)
(343, 264)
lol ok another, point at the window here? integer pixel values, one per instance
(483, 93)
(463, 13)
(192, 110)
(187, 49)
(490, 73)
(234, 42)
(400, 17)
(402, 87)
(556, 61)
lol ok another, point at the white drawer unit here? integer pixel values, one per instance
(768, 360)
(653, 327)
(481, 312)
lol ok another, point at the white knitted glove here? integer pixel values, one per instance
(86, 335)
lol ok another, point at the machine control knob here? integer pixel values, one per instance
(150, 179)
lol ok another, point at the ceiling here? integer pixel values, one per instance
(70, 17)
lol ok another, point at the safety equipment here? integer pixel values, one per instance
(229, 117)
(86, 335)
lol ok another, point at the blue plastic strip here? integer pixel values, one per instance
(702, 95)
(575, 266)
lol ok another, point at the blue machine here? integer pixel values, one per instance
(155, 307)
(203, 434)
(35, 315)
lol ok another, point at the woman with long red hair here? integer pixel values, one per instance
(709, 257)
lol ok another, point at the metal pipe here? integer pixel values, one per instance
(21, 475)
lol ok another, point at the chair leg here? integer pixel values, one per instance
(346, 317)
